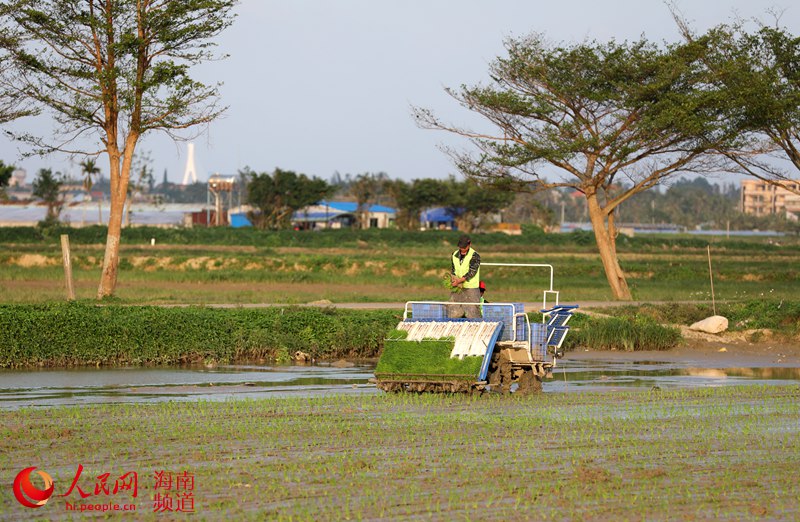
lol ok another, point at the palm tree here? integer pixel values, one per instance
(89, 169)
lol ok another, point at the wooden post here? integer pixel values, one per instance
(67, 266)
(711, 277)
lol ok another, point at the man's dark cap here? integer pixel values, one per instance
(463, 241)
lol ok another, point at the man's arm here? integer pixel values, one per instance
(474, 265)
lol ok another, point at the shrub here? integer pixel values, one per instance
(621, 333)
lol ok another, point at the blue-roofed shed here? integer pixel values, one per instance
(338, 214)
(437, 218)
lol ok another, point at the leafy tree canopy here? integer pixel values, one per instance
(758, 74)
(108, 72)
(276, 196)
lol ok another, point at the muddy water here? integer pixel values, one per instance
(20, 389)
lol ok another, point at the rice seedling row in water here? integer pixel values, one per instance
(724, 453)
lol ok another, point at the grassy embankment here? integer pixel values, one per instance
(70, 334)
(66, 334)
(86, 334)
(202, 266)
(707, 454)
(780, 317)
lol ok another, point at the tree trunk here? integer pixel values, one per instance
(464, 223)
(606, 245)
(108, 278)
(120, 176)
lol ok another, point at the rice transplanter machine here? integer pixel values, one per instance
(429, 352)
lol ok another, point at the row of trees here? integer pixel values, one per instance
(276, 196)
(596, 116)
(686, 203)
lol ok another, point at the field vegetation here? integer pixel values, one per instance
(781, 317)
(88, 334)
(85, 333)
(202, 266)
(755, 283)
(705, 454)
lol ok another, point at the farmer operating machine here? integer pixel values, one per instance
(428, 352)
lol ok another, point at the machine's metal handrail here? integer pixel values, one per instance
(528, 328)
(533, 265)
(514, 315)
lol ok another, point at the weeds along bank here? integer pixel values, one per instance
(776, 317)
(87, 334)
(79, 334)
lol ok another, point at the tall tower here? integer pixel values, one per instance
(190, 172)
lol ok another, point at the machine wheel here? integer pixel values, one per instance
(529, 383)
(391, 387)
(500, 373)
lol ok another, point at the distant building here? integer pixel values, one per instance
(760, 198)
(18, 178)
(327, 214)
(437, 218)
(97, 213)
(339, 214)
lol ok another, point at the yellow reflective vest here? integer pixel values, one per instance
(461, 267)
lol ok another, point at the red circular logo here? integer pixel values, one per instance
(25, 490)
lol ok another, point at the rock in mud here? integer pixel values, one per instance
(714, 324)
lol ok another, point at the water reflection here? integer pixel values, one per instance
(19, 389)
(605, 375)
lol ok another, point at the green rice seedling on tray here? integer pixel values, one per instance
(428, 357)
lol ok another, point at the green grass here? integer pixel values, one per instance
(226, 265)
(779, 315)
(628, 333)
(706, 454)
(90, 334)
(208, 275)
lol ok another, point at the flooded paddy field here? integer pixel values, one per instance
(691, 434)
(40, 388)
(36, 388)
(707, 453)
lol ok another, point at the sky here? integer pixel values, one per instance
(325, 86)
